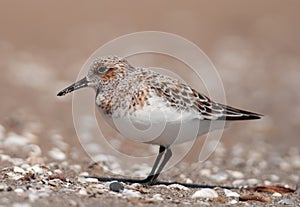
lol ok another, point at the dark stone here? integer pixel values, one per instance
(116, 187)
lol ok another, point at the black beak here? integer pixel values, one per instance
(79, 84)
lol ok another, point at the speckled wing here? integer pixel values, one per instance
(183, 97)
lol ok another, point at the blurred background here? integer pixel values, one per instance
(254, 45)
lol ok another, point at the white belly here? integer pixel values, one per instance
(162, 127)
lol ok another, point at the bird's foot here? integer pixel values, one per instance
(150, 180)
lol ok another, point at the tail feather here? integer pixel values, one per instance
(234, 114)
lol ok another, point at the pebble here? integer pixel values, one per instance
(64, 164)
(189, 181)
(25, 166)
(13, 141)
(14, 176)
(87, 180)
(116, 186)
(276, 194)
(178, 187)
(19, 190)
(253, 181)
(239, 183)
(274, 178)
(5, 158)
(82, 192)
(96, 189)
(176, 201)
(82, 174)
(19, 170)
(75, 168)
(16, 161)
(160, 186)
(157, 197)
(3, 187)
(236, 174)
(132, 193)
(37, 169)
(58, 141)
(285, 202)
(230, 193)
(33, 150)
(205, 172)
(220, 177)
(31, 138)
(267, 182)
(57, 154)
(233, 201)
(58, 171)
(55, 182)
(205, 193)
(136, 185)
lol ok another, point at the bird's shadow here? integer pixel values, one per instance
(130, 181)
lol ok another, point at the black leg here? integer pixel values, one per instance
(157, 160)
(167, 157)
(152, 178)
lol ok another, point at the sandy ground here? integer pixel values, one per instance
(255, 47)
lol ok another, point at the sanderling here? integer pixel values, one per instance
(128, 95)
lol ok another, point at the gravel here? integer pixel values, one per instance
(31, 176)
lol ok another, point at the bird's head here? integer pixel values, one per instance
(102, 71)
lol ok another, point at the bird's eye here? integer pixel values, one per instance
(102, 69)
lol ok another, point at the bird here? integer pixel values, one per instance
(153, 108)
